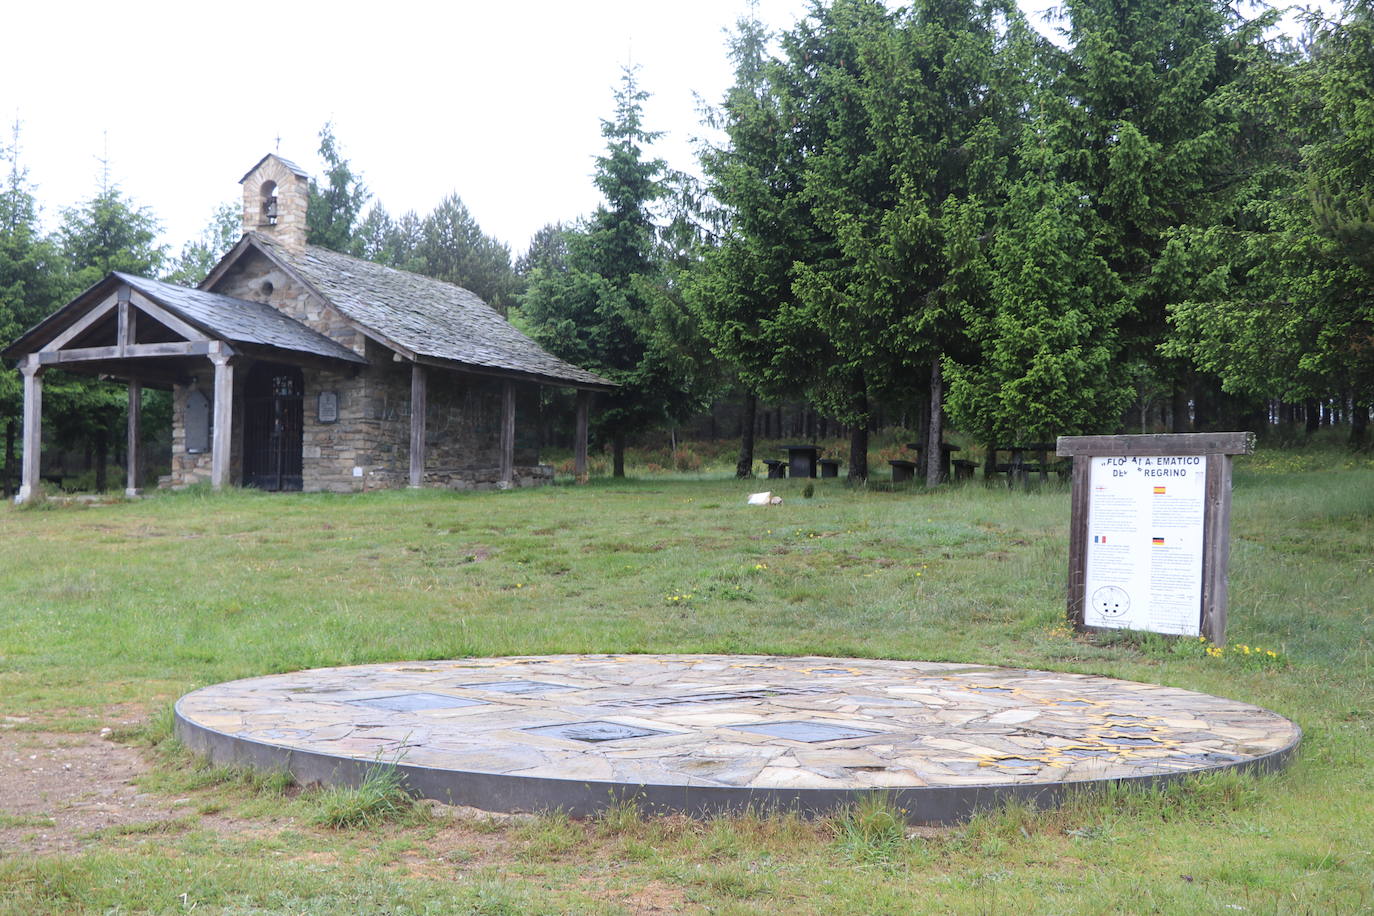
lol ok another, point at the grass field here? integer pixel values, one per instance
(110, 612)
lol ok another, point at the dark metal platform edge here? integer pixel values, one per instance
(928, 805)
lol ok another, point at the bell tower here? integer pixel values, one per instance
(276, 195)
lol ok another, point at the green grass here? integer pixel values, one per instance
(108, 613)
(379, 798)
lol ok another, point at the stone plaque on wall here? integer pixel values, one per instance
(328, 409)
(197, 422)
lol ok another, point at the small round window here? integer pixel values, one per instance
(267, 287)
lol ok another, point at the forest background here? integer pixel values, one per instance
(918, 217)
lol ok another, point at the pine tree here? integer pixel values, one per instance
(607, 308)
(110, 232)
(1148, 123)
(1281, 303)
(920, 110)
(741, 289)
(335, 205)
(106, 233)
(33, 281)
(199, 256)
(548, 249)
(452, 247)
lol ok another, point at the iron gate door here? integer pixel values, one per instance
(273, 410)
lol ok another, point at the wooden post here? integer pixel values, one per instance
(224, 418)
(1216, 548)
(1078, 537)
(507, 435)
(419, 404)
(133, 453)
(584, 401)
(125, 335)
(33, 427)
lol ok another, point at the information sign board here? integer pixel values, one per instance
(1144, 550)
(1149, 538)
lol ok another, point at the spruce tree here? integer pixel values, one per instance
(741, 291)
(608, 308)
(336, 204)
(33, 282)
(1145, 120)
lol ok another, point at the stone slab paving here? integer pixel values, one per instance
(706, 733)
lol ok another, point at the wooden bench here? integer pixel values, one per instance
(830, 467)
(777, 468)
(963, 468)
(902, 471)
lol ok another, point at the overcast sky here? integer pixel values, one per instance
(499, 102)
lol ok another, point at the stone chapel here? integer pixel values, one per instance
(293, 367)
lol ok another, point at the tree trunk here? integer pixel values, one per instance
(990, 464)
(1313, 414)
(744, 466)
(858, 452)
(858, 433)
(102, 454)
(935, 430)
(1359, 425)
(1181, 421)
(618, 453)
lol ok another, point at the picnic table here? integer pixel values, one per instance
(946, 450)
(1017, 468)
(801, 460)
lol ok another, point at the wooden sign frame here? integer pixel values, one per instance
(1217, 449)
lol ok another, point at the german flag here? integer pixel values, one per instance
(1156, 540)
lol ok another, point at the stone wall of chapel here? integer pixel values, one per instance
(368, 446)
(195, 467)
(254, 277)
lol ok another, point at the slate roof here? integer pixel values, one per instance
(424, 316)
(239, 320)
(286, 162)
(220, 317)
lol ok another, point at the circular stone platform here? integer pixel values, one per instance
(708, 733)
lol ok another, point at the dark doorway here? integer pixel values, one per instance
(272, 413)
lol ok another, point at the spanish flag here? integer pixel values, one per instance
(1159, 491)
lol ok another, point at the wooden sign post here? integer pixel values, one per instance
(1150, 531)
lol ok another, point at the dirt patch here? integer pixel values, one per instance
(60, 790)
(655, 897)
